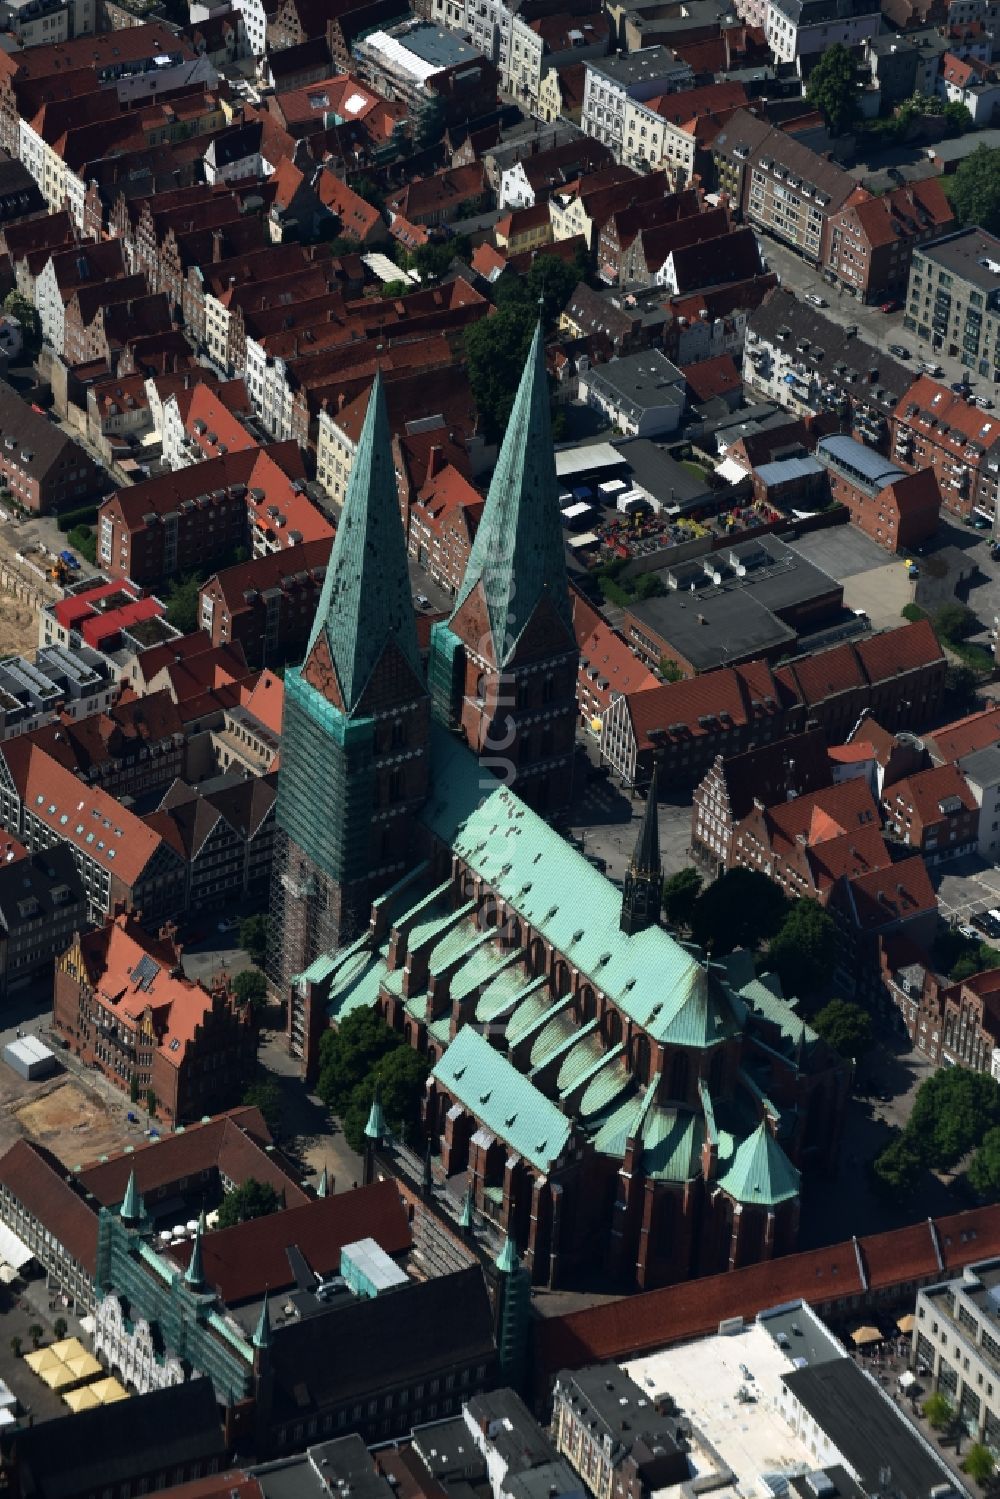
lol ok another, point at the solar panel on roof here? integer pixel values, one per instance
(145, 971)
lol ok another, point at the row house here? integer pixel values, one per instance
(667, 132)
(814, 365)
(129, 749)
(935, 812)
(806, 28)
(123, 1005)
(100, 324)
(714, 320)
(528, 179)
(27, 245)
(624, 227)
(583, 207)
(441, 523)
(224, 829)
(200, 422)
(442, 198)
(871, 241)
(266, 605)
(611, 83)
(939, 429)
(222, 285)
(184, 244)
(680, 727)
(769, 774)
(67, 269)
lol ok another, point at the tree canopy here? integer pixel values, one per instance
(975, 190)
(254, 932)
(495, 349)
(27, 315)
(401, 1075)
(264, 1094)
(250, 988)
(182, 603)
(742, 908)
(979, 1463)
(680, 892)
(898, 1169)
(846, 1027)
(833, 89)
(253, 1199)
(984, 1168)
(348, 1055)
(803, 950)
(952, 1112)
(938, 1411)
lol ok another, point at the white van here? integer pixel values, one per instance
(930, 368)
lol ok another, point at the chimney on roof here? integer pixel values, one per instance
(435, 462)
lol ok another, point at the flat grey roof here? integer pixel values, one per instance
(982, 766)
(807, 1337)
(962, 254)
(638, 67)
(785, 469)
(435, 45)
(864, 1425)
(641, 380)
(871, 465)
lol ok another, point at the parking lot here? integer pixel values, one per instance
(966, 887)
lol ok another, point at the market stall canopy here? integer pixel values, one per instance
(42, 1359)
(862, 1336)
(83, 1399)
(108, 1390)
(907, 1323)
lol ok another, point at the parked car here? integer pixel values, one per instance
(987, 923)
(984, 403)
(899, 351)
(969, 932)
(229, 924)
(891, 306)
(815, 299)
(70, 560)
(961, 388)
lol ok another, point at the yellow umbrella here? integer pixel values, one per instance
(82, 1399)
(907, 1323)
(58, 1377)
(862, 1336)
(42, 1359)
(84, 1366)
(68, 1348)
(108, 1390)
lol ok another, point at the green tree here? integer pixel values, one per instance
(182, 603)
(254, 932)
(133, 1089)
(401, 1075)
(349, 1055)
(984, 1168)
(16, 1346)
(952, 1112)
(957, 119)
(979, 1463)
(250, 988)
(669, 670)
(833, 89)
(367, 188)
(899, 1167)
(680, 892)
(740, 909)
(393, 289)
(60, 1327)
(975, 190)
(938, 1411)
(84, 541)
(953, 622)
(31, 324)
(433, 260)
(36, 1332)
(264, 1094)
(496, 348)
(253, 1199)
(846, 1027)
(803, 951)
(151, 1101)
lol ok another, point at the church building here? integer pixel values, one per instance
(606, 1095)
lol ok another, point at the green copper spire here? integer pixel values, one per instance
(642, 891)
(646, 858)
(518, 552)
(465, 1221)
(131, 1208)
(262, 1332)
(375, 1128)
(194, 1274)
(507, 1261)
(367, 599)
(323, 1189)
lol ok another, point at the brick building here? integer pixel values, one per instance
(123, 1005)
(933, 811)
(607, 665)
(871, 240)
(444, 515)
(44, 469)
(939, 429)
(196, 515)
(267, 604)
(898, 510)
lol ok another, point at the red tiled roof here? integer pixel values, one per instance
(926, 790)
(244, 1261)
(39, 1183)
(953, 741)
(927, 400)
(233, 1143)
(903, 213)
(88, 819)
(655, 1319)
(896, 893)
(712, 377)
(690, 104)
